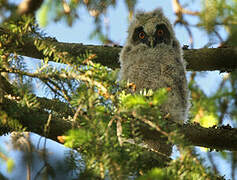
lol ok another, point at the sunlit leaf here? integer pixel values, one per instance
(155, 174)
(10, 165)
(43, 14)
(76, 138)
(159, 96)
(208, 120)
(132, 101)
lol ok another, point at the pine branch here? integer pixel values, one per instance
(205, 59)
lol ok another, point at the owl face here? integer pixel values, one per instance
(151, 29)
(160, 35)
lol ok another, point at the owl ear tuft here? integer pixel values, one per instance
(157, 12)
(139, 14)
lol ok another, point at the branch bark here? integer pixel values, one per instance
(36, 124)
(221, 138)
(205, 59)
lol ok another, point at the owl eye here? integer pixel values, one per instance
(141, 35)
(160, 32)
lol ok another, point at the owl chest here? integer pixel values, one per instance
(145, 75)
(151, 74)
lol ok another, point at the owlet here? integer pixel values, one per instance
(152, 59)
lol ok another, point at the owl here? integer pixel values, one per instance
(152, 59)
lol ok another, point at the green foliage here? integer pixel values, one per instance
(78, 137)
(218, 12)
(204, 109)
(9, 123)
(97, 135)
(155, 174)
(131, 101)
(43, 13)
(186, 167)
(210, 110)
(100, 106)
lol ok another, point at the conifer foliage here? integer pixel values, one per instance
(86, 109)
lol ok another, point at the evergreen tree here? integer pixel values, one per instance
(85, 109)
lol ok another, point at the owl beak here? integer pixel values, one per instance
(152, 42)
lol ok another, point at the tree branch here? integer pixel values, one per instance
(205, 59)
(178, 9)
(36, 124)
(221, 138)
(29, 6)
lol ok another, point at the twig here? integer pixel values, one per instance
(119, 131)
(62, 75)
(186, 25)
(46, 127)
(143, 145)
(209, 155)
(223, 104)
(51, 88)
(76, 115)
(179, 9)
(151, 124)
(2, 156)
(29, 6)
(190, 35)
(219, 36)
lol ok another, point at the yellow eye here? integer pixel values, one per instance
(141, 35)
(160, 32)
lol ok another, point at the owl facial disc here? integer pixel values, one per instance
(161, 35)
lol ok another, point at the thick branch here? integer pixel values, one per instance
(205, 59)
(34, 119)
(223, 138)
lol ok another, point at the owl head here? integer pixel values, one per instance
(151, 29)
